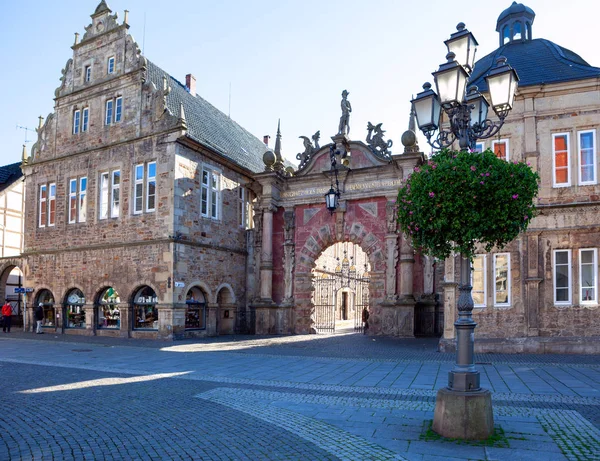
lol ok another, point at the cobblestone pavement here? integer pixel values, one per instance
(347, 397)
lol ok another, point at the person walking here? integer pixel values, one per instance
(39, 317)
(365, 319)
(7, 317)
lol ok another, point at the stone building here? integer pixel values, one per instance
(540, 293)
(138, 198)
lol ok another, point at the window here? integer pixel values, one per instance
(144, 175)
(210, 193)
(108, 313)
(109, 112)
(103, 199)
(115, 196)
(500, 148)
(85, 119)
(517, 31)
(587, 156)
(77, 202)
(52, 204)
(505, 35)
(145, 313)
(478, 281)
(151, 187)
(502, 279)
(87, 74)
(562, 277)
(43, 205)
(242, 207)
(114, 111)
(111, 65)
(81, 119)
(76, 121)
(479, 147)
(560, 160)
(118, 109)
(588, 276)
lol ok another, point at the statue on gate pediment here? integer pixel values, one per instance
(309, 149)
(375, 140)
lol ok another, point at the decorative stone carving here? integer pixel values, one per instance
(289, 225)
(428, 262)
(309, 149)
(391, 217)
(66, 78)
(391, 242)
(257, 218)
(375, 141)
(344, 127)
(339, 225)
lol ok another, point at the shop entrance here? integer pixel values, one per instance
(341, 290)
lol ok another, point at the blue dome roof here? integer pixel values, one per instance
(537, 62)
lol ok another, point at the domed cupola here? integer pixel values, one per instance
(514, 24)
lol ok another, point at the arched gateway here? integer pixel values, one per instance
(293, 227)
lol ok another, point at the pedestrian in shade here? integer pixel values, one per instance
(39, 317)
(7, 317)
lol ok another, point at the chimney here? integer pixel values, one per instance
(190, 84)
(266, 139)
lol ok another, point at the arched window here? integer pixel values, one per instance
(195, 316)
(46, 299)
(74, 312)
(108, 313)
(517, 31)
(145, 313)
(505, 35)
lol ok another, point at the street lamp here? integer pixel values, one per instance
(466, 111)
(464, 407)
(333, 196)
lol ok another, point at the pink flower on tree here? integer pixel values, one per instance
(431, 194)
(516, 196)
(473, 168)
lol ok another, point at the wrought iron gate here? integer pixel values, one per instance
(327, 288)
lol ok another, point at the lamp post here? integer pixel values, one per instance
(333, 196)
(463, 409)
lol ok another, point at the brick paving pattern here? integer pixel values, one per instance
(285, 398)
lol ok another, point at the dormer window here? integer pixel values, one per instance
(111, 65)
(87, 74)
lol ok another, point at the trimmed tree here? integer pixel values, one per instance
(458, 199)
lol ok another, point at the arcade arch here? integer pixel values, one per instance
(11, 280)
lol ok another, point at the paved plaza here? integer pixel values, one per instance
(343, 396)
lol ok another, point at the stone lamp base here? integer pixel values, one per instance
(463, 415)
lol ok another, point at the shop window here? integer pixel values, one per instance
(587, 157)
(74, 311)
(108, 313)
(560, 160)
(500, 148)
(478, 281)
(46, 298)
(562, 277)
(145, 313)
(195, 316)
(502, 279)
(588, 276)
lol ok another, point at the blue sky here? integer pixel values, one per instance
(287, 59)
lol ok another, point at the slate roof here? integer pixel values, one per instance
(9, 174)
(537, 61)
(211, 127)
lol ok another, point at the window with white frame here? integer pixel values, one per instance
(588, 276)
(77, 200)
(502, 279)
(210, 193)
(43, 213)
(81, 118)
(561, 167)
(76, 121)
(479, 147)
(243, 206)
(115, 194)
(478, 281)
(110, 68)
(586, 144)
(500, 148)
(144, 187)
(562, 277)
(47, 205)
(113, 112)
(108, 201)
(87, 73)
